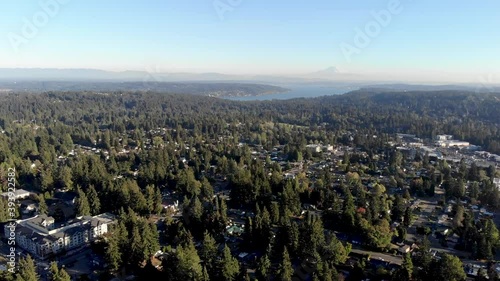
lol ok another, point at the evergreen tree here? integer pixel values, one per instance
(349, 210)
(206, 276)
(82, 204)
(405, 273)
(188, 265)
(112, 254)
(157, 201)
(263, 268)
(150, 238)
(137, 246)
(27, 270)
(57, 274)
(93, 200)
(230, 267)
(6, 275)
(285, 269)
(43, 209)
(407, 217)
(208, 252)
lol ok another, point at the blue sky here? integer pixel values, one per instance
(457, 39)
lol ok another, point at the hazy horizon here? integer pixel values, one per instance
(382, 40)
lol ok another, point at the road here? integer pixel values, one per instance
(380, 256)
(80, 263)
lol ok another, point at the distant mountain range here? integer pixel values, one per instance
(52, 74)
(52, 79)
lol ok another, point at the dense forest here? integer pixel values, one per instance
(149, 83)
(124, 152)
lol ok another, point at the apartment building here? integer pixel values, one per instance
(42, 237)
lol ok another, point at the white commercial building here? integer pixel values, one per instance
(41, 237)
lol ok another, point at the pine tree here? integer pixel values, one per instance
(230, 267)
(275, 212)
(157, 199)
(93, 200)
(150, 194)
(263, 268)
(407, 217)
(43, 209)
(6, 275)
(64, 177)
(150, 238)
(348, 210)
(205, 276)
(248, 231)
(58, 274)
(223, 210)
(207, 191)
(188, 265)
(405, 273)
(27, 270)
(121, 236)
(328, 273)
(112, 254)
(63, 275)
(285, 269)
(82, 204)
(54, 270)
(137, 246)
(208, 251)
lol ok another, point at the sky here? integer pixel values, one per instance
(409, 40)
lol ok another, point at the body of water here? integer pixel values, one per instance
(303, 91)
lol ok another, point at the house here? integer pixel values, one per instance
(361, 210)
(444, 137)
(234, 230)
(404, 249)
(17, 194)
(313, 147)
(170, 205)
(452, 143)
(28, 206)
(328, 148)
(68, 197)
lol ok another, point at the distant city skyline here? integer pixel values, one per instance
(405, 40)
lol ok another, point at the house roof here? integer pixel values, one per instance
(66, 196)
(17, 193)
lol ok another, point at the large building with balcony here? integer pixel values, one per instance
(42, 237)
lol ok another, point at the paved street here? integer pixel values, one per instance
(380, 256)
